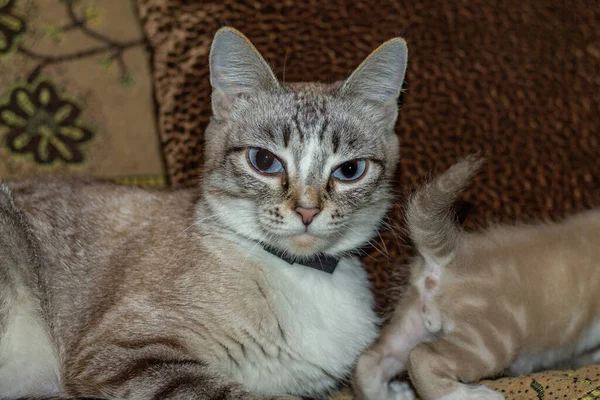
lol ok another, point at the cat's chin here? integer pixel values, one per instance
(303, 244)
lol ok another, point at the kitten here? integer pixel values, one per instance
(245, 288)
(521, 298)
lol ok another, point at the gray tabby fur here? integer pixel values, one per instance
(120, 292)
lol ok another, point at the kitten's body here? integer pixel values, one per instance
(141, 294)
(517, 298)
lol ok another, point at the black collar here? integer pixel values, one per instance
(321, 262)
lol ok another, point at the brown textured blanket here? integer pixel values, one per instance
(518, 81)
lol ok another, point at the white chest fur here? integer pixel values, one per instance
(29, 365)
(328, 321)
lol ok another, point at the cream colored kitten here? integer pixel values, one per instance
(516, 298)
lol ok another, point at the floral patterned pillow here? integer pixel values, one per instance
(76, 91)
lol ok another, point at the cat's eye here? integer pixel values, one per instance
(350, 170)
(264, 161)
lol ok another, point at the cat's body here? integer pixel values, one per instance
(265, 322)
(510, 299)
(144, 294)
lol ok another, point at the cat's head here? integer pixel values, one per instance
(305, 168)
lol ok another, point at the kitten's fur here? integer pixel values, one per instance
(131, 293)
(520, 298)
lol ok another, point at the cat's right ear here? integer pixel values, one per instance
(378, 80)
(236, 70)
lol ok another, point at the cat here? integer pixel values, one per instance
(247, 287)
(512, 299)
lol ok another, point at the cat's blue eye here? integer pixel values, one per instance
(264, 161)
(350, 170)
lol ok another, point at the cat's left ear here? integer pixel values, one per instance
(236, 70)
(378, 80)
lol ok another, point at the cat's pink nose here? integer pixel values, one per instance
(307, 214)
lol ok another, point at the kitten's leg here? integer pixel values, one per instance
(28, 361)
(437, 368)
(387, 358)
(157, 369)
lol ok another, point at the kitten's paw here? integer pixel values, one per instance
(372, 375)
(402, 390)
(468, 392)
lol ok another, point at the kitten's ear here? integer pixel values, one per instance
(236, 69)
(379, 78)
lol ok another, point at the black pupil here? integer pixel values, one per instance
(349, 169)
(264, 160)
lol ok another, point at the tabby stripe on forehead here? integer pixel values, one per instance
(297, 122)
(270, 132)
(323, 129)
(335, 140)
(286, 134)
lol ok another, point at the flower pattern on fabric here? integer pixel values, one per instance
(11, 26)
(40, 122)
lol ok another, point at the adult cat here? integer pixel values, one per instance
(245, 288)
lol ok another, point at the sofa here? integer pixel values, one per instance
(122, 87)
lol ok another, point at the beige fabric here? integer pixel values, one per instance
(583, 384)
(78, 69)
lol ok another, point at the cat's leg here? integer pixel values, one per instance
(588, 358)
(439, 368)
(150, 369)
(387, 358)
(28, 361)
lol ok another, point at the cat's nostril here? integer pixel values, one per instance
(307, 214)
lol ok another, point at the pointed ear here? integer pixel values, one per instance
(236, 70)
(378, 80)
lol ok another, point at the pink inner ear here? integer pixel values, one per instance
(221, 103)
